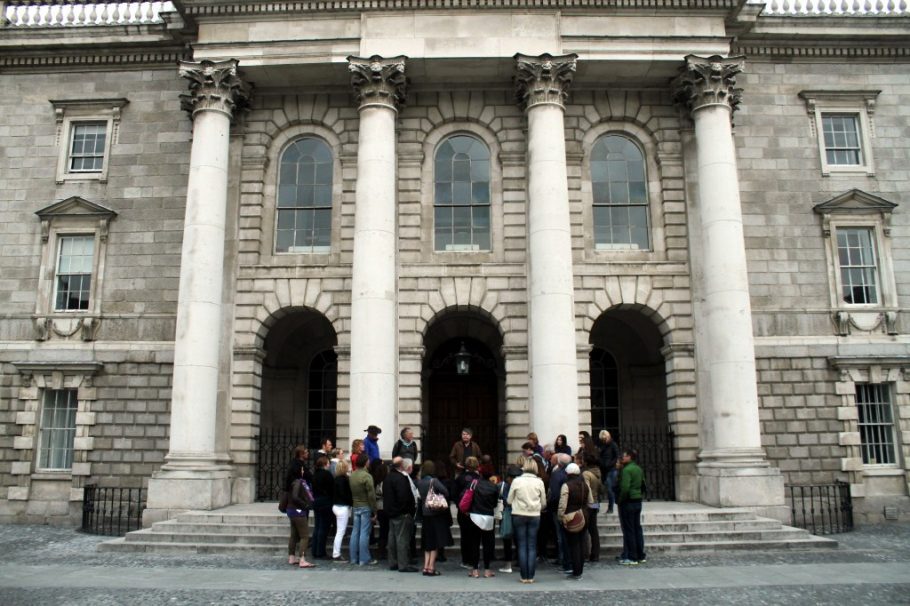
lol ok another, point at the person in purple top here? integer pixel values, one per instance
(371, 443)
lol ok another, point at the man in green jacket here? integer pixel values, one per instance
(363, 497)
(630, 492)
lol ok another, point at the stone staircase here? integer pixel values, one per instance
(669, 527)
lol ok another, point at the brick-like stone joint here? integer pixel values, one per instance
(379, 81)
(706, 81)
(214, 86)
(544, 79)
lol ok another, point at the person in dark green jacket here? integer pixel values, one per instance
(630, 492)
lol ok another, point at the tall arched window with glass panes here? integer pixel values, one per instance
(620, 191)
(462, 195)
(304, 223)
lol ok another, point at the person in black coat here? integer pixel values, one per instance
(609, 455)
(436, 530)
(323, 491)
(480, 525)
(406, 447)
(399, 495)
(297, 465)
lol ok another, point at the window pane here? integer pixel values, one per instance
(443, 193)
(876, 425)
(858, 267)
(462, 175)
(87, 146)
(75, 262)
(841, 137)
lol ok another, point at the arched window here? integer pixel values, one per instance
(462, 202)
(620, 195)
(322, 398)
(305, 197)
(604, 392)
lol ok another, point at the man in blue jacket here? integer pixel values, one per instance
(371, 443)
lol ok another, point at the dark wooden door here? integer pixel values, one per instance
(458, 401)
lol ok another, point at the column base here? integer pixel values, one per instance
(757, 488)
(172, 492)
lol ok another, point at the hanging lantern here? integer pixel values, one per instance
(463, 360)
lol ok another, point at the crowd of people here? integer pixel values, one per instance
(544, 505)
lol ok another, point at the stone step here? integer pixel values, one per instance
(219, 528)
(152, 536)
(122, 545)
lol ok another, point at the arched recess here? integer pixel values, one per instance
(451, 401)
(629, 396)
(299, 377)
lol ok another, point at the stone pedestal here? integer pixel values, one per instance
(732, 470)
(195, 475)
(542, 87)
(379, 88)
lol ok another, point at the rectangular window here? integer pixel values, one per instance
(87, 147)
(858, 266)
(58, 429)
(842, 140)
(876, 423)
(75, 257)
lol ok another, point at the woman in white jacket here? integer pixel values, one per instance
(527, 498)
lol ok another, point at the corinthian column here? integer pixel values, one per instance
(542, 87)
(732, 470)
(379, 88)
(194, 476)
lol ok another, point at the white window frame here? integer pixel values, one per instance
(56, 282)
(70, 113)
(857, 209)
(40, 463)
(74, 216)
(894, 426)
(860, 104)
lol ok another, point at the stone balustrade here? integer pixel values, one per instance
(63, 13)
(825, 8)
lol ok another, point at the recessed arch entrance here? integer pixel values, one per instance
(299, 392)
(629, 392)
(454, 400)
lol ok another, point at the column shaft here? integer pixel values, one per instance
(197, 344)
(727, 311)
(374, 300)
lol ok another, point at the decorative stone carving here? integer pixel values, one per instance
(543, 79)
(842, 323)
(708, 81)
(215, 86)
(891, 322)
(378, 81)
(90, 328)
(41, 329)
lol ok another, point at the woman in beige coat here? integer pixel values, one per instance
(528, 498)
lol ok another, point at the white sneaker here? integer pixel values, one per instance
(507, 570)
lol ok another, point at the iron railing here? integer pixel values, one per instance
(656, 457)
(821, 508)
(275, 451)
(112, 511)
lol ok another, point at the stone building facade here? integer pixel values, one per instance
(674, 218)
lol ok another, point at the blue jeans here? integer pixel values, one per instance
(525, 533)
(562, 544)
(633, 539)
(608, 484)
(360, 536)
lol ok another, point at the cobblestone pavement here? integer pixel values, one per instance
(42, 565)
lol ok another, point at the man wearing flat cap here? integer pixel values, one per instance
(371, 443)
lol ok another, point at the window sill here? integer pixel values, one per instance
(53, 475)
(882, 471)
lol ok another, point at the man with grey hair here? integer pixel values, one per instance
(400, 504)
(609, 455)
(557, 479)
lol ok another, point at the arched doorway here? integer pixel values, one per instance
(629, 393)
(299, 393)
(454, 400)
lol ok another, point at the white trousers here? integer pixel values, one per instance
(342, 515)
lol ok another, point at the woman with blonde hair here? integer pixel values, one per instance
(342, 502)
(527, 497)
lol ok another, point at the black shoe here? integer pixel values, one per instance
(393, 567)
(408, 569)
